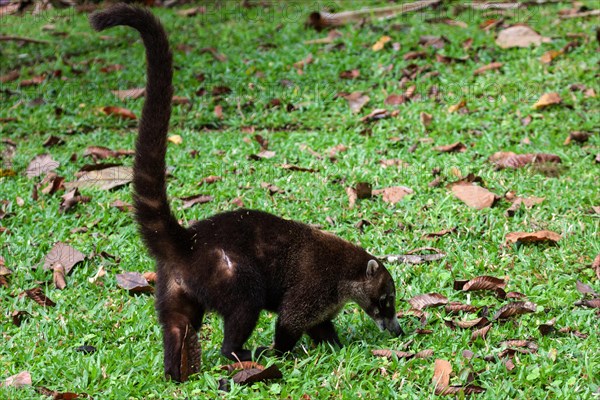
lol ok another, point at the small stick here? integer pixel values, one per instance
(22, 39)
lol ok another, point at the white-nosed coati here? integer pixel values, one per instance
(235, 263)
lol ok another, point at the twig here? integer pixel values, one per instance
(320, 20)
(590, 13)
(23, 39)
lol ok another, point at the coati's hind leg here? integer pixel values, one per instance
(180, 340)
(324, 333)
(238, 328)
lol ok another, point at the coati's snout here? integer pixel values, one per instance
(379, 298)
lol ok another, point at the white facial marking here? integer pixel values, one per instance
(227, 260)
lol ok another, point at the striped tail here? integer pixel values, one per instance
(163, 235)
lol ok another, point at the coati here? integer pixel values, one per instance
(235, 263)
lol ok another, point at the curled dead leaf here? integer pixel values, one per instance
(393, 194)
(37, 295)
(547, 99)
(457, 147)
(455, 307)
(428, 300)
(519, 36)
(119, 112)
(488, 67)
(480, 333)
(533, 237)
(249, 376)
(507, 159)
(473, 195)
(515, 308)
(134, 282)
(484, 283)
(17, 381)
(40, 165)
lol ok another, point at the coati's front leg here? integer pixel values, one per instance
(180, 342)
(324, 333)
(238, 328)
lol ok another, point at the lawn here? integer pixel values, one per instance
(290, 93)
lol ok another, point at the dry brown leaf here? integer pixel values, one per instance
(550, 55)
(133, 94)
(101, 152)
(515, 308)
(484, 283)
(488, 67)
(426, 119)
(18, 315)
(350, 74)
(118, 112)
(393, 194)
(304, 62)
(105, 179)
(17, 381)
(378, 113)
(150, 276)
(242, 365)
(175, 139)
(249, 376)
(427, 300)
(134, 282)
(457, 390)
(519, 36)
(533, 237)
(11, 76)
(58, 276)
(40, 165)
(352, 196)
(390, 354)
(481, 333)
(379, 45)
(441, 374)
(474, 196)
(192, 12)
(457, 147)
(508, 159)
(593, 303)
(37, 295)
(546, 100)
(584, 288)
(213, 52)
(455, 307)
(63, 254)
(395, 99)
(596, 266)
(477, 322)
(356, 101)
(458, 106)
(577, 136)
(190, 201)
(330, 38)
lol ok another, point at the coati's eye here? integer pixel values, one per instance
(386, 301)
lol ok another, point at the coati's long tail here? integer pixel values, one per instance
(160, 230)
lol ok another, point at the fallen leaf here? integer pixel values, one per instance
(427, 300)
(413, 258)
(519, 36)
(37, 295)
(480, 333)
(532, 237)
(515, 308)
(458, 106)
(390, 354)
(58, 276)
(118, 112)
(17, 381)
(53, 141)
(350, 74)
(458, 390)
(550, 55)
(134, 282)
(104, 179)
(577, 136)
(484, 283)
(112, 68)
(393, 194)
(473, 323)
(86, 349)
(292, 167)
(381, 43)
(133, 94)
(150, 276)
(584, 288)
(364, 190)
(457, 147)
(192, 12)
(213, 52)
(546, 100)
(271, 188)
(18, 315)
(395, 99)
(63, 254)
(426, 119)
(441, 374)
(11, 76)
(338, 148)
(101, 152)
(330, 38)
(264, 154)
(352, 197)
(249, 376)
(508, 159)
(218, 111)
(356, 101)
(473, 195)
(455, 307)
(175, 139)
(71, 199)
(242, 365)
(434, 235)
(121, 205)
(196, 199)
(302, 63)
(593, 303)
(376, 114)
(488, 67)
(40, 165)
(596, 266)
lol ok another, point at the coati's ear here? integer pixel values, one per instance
(372, 268)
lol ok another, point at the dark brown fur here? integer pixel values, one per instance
(236, 263)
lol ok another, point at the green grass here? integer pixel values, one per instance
(128, 363)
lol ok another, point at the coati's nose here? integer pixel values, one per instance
(393, 326)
